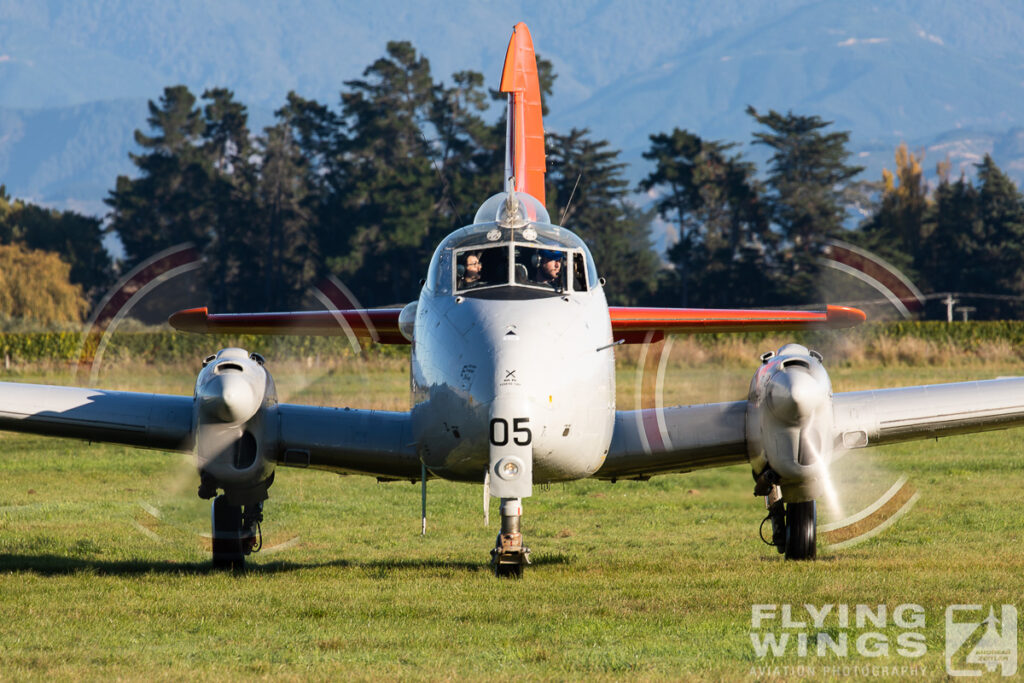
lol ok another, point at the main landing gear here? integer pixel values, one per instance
(236, 532)
(794, 526)
(509, 555)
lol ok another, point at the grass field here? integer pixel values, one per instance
(103, 567)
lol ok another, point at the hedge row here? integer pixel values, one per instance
(967, 335)
(172, 346)
(175, 346)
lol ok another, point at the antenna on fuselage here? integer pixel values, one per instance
(565, 212)
(487, 497)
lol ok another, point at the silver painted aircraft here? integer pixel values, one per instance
(513, 384)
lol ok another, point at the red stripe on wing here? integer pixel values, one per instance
(633, 324)
(379, 324)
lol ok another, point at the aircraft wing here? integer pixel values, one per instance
(338, 439)
(639, 325)
(134, 419)
(377, 324)
(347, 441)
(884, 416)
(686, 438)
(676, 439)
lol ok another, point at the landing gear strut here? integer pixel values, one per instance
(510, 555)
(236, 533)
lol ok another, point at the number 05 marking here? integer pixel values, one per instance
(522, 436)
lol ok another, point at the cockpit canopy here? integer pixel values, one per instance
(511, 252)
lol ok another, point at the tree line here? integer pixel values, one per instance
(365, 191)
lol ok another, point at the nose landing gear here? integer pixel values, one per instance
(236, 533)
(509, 555)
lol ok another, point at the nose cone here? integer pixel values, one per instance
(794, 395)
(228, 397)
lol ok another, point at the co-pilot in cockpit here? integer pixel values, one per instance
(512, 252)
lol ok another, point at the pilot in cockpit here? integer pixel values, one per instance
(470, 270)
(549, 272)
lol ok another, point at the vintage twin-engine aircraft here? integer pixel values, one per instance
(513, 384)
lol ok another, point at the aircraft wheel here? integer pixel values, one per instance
(226, 522)
(801, 530)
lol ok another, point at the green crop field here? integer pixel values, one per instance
(103, 556)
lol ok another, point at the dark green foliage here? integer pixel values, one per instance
(897, 225)
(963, 239)
(807, 176)
(724, 256)
(281, 221)
(164, 206)
(944, 257)
(618, 234)
(366, 192)
(999, 233)
(206, 180)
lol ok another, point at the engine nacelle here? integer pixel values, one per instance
(790, 422)
(235, 409)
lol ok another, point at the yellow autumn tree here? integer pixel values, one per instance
(911, 186)
(35, 286)
(899, 220)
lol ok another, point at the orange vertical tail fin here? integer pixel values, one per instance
(524, 155)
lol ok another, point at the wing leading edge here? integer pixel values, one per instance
(639, 325)
(634, 325)
(344, 440)
(686, 438)
(134, 419)
(376, 324)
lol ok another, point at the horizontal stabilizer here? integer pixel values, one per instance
(639, 325)
(377, 324)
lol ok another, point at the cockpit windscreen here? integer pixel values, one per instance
(482, 268)
(512, 256)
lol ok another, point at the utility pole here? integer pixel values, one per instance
(950, 302)
(965, 310)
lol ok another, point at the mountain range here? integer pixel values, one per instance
(945, 77)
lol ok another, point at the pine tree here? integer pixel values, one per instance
(160, 208)
(289, 256)
(466, 150)
(587, 194)
(946, 257)
(1000, 258)
(807, 176)
(387, 186)
(724, 255)
(228, 205)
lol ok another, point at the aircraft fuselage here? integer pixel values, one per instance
(550, 354)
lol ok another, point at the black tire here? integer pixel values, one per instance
(801, 530)
(226, 523)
